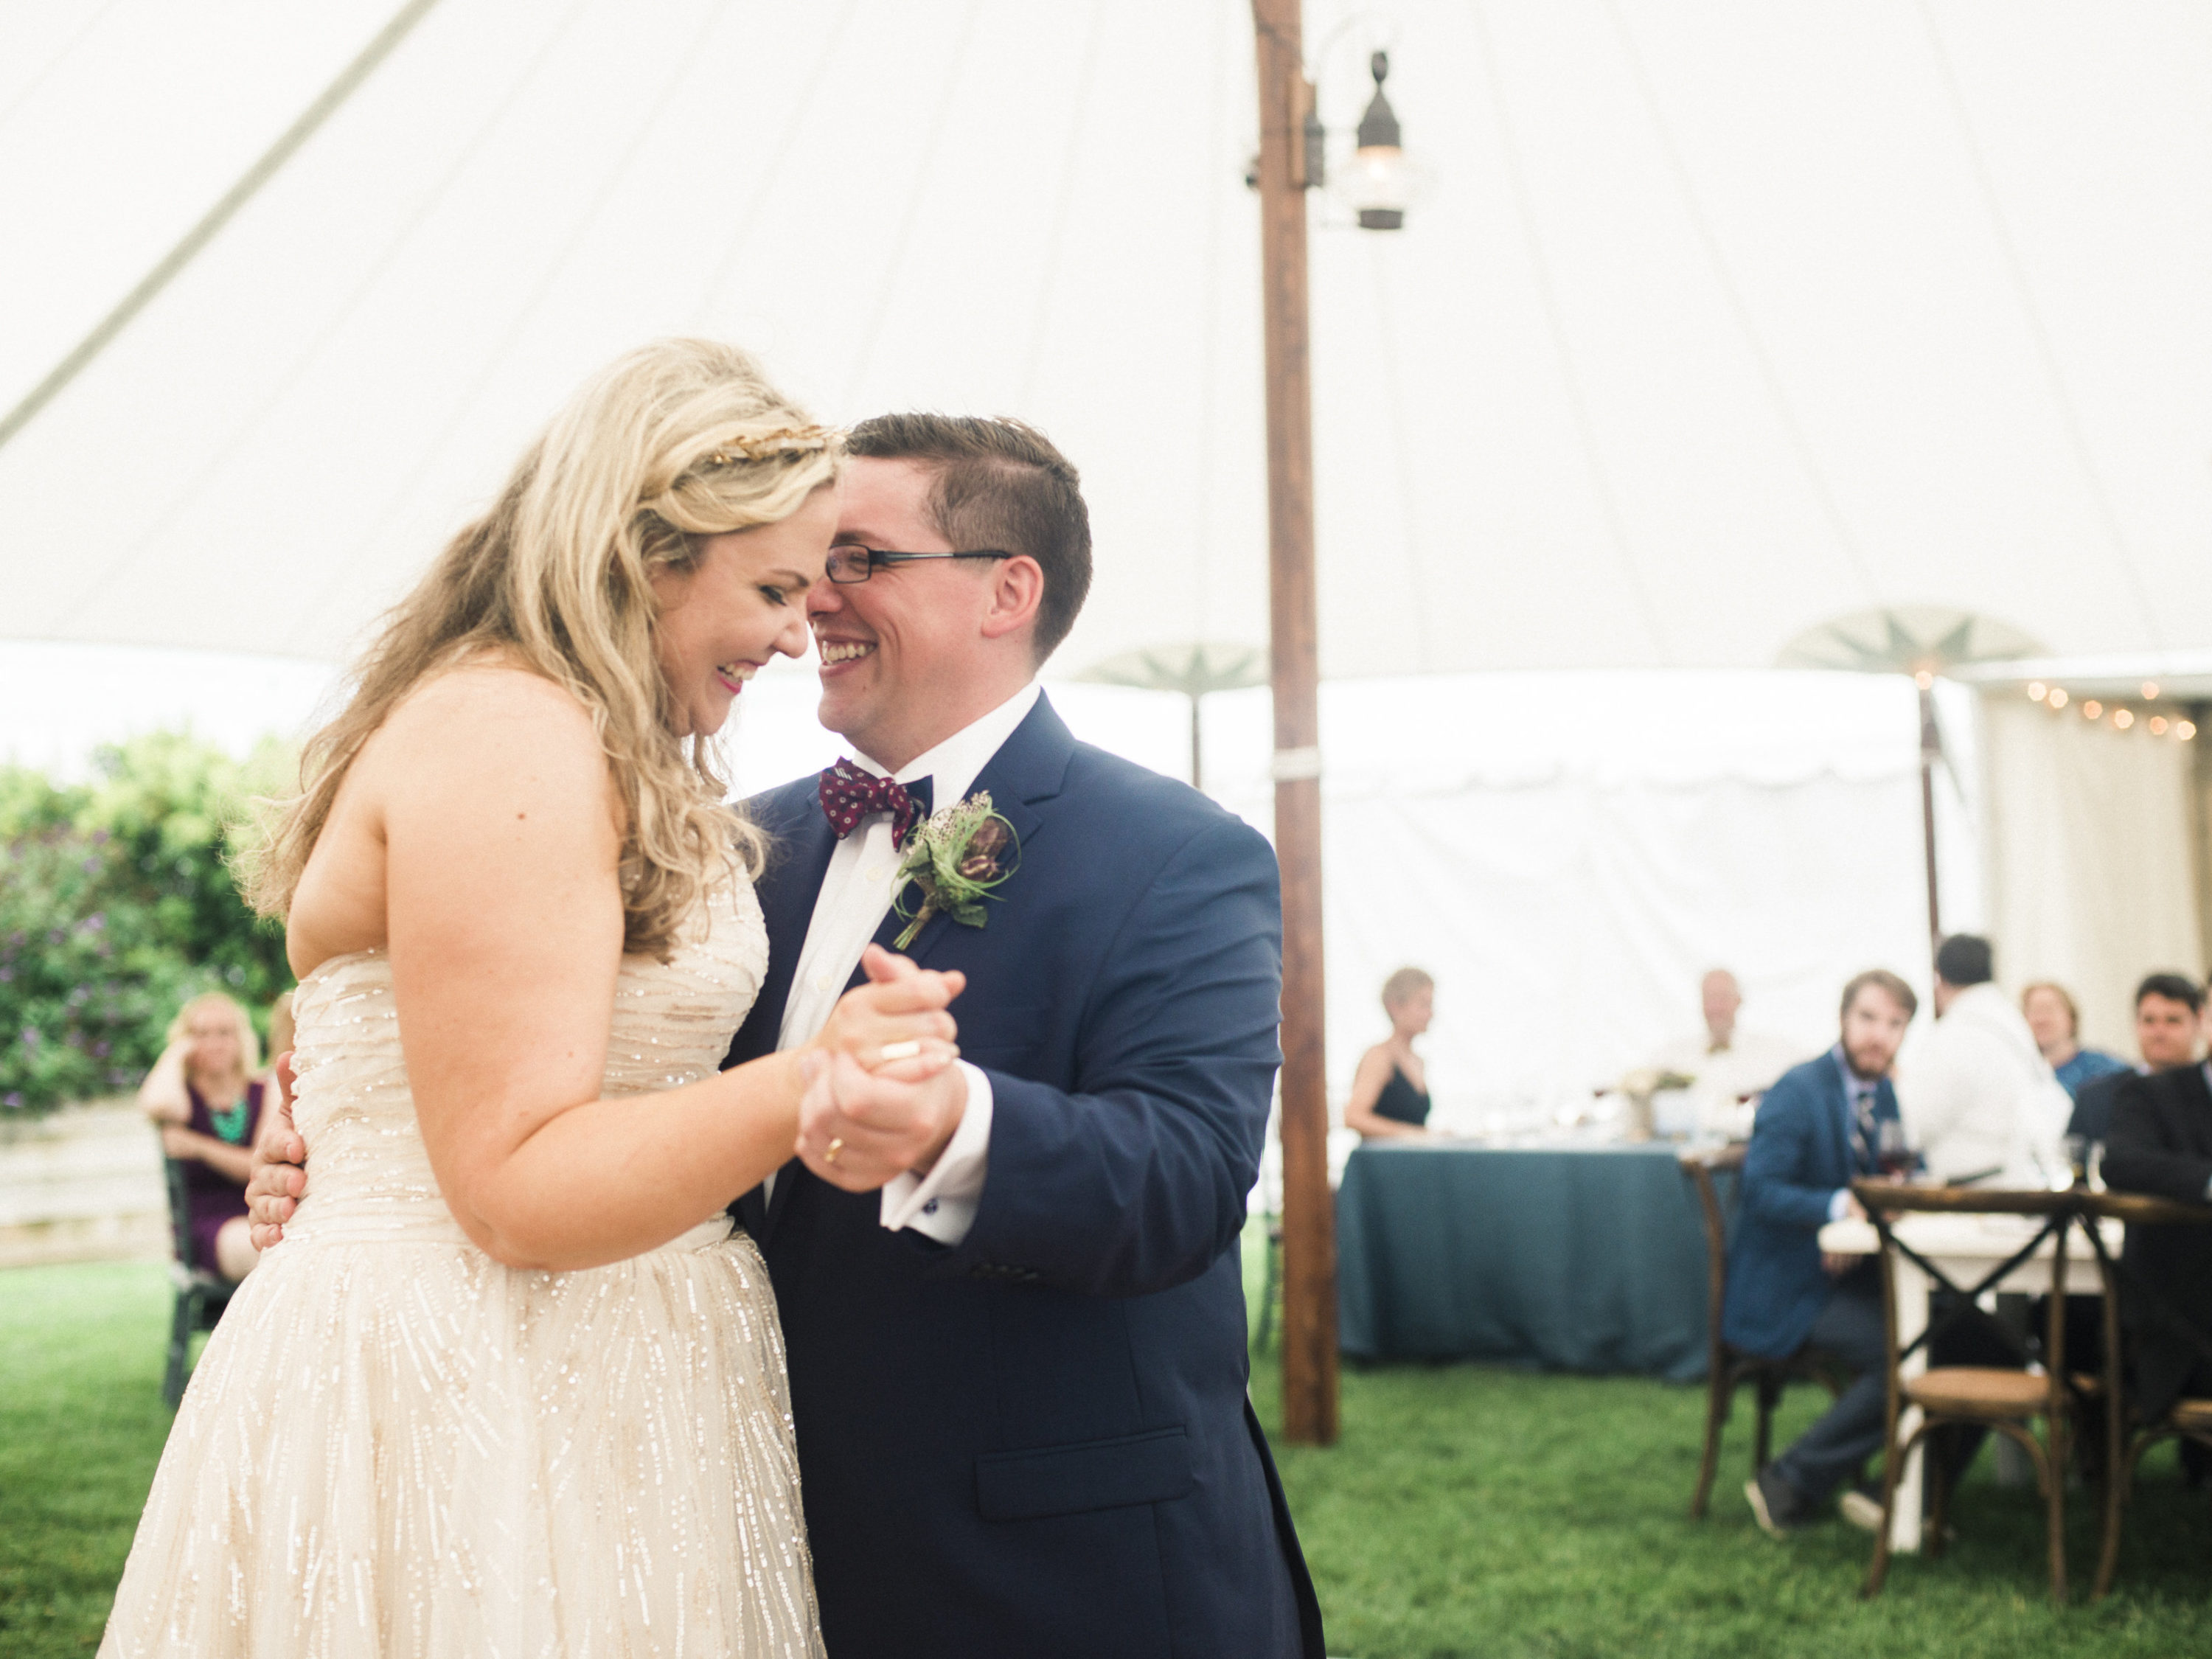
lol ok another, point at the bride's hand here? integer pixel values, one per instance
(896, 1026)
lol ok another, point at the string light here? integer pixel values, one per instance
(2123, 719)
(1924, 679)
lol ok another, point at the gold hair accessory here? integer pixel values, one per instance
(757, 446)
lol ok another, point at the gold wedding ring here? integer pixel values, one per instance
(836, 1145)
(891, 1051)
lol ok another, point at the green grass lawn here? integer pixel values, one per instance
(1465, 1511)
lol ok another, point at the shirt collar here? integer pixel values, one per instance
(1855, 1087)
(953, 764)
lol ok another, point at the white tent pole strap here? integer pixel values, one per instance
(221, 214)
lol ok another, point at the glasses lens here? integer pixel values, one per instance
(848, 564)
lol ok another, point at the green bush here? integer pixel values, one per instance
(117, 902)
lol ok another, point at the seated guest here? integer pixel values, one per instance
(2168, 1011)
(1978, 1099)
(1730, 1066)
(2054, 1019)
(205, 1094)
(1818, 1129)
(1389, 1096)
(2161, 1144)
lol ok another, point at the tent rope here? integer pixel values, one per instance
(1524, 211)
(1056, 238)
(30, 86)
(1785, 409)
(305, 359)
(2039, 332)
(916, 192)
(773, 173)
(149, 286)
(688, 60)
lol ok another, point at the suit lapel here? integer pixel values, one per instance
(1028, 768)
(1839, 1119)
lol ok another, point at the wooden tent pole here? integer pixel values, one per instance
(1931, 751)
(1310, 1357)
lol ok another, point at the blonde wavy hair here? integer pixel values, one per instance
(679, 440)
(249, 1044)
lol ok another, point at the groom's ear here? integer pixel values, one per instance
(1016, 592)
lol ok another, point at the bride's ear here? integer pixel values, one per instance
(1016, 590)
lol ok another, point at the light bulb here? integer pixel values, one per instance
(2093, 710)
(2035, 690)
(2184, 730)
(2150, 690)
(2158, 725)
(2058, 696)
(2123, 718)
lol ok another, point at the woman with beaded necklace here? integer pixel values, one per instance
(204, 1093)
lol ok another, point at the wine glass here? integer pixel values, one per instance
(1892, 1155)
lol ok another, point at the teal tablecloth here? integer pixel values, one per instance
(1580, 1261)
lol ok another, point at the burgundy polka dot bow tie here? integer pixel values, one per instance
(849, 794)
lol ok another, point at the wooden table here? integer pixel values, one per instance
(1966, 1247)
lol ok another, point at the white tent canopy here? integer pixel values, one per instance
(1718, 320)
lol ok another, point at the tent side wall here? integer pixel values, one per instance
(2094, 858)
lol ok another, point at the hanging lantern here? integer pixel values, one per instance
(1381, 183)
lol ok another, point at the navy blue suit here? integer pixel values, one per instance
(1038, 1441)
(1800, 1154)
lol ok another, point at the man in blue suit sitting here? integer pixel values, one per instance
(1817, 1130)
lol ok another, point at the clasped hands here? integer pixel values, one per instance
(881, 1094)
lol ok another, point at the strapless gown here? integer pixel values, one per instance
(393, 1446)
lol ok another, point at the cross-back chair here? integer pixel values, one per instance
(1729, 1369)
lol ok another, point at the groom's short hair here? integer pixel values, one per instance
(1001, 484)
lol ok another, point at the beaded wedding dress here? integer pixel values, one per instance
(395, 1447)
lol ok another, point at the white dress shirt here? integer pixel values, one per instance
(1977, 1094)
(1722, 1078)
(857, 888)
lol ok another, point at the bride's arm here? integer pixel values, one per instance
(504, 915)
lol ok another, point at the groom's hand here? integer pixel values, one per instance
(278, 1179)
(860, 1129)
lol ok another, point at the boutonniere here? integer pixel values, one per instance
(956, 857)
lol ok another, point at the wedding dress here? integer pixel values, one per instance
(395, 1447)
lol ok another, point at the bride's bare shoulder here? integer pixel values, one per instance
(486, 704)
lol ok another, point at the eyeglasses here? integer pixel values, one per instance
(850, 562)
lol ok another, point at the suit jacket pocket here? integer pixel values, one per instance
(1150, 1467)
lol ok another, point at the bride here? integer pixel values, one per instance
(510, 1386)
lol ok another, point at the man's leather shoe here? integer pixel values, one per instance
(1774, 1503)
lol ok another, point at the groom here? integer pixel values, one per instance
(1012, 1306)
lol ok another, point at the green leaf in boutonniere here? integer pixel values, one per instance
(956, 857)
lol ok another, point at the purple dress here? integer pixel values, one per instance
(212, 1197)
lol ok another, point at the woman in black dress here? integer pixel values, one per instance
(1390, 1090)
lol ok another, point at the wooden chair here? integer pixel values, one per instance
(2188, 1419)
(1962, 1396)
(1728, 1368)
(202, 1293)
